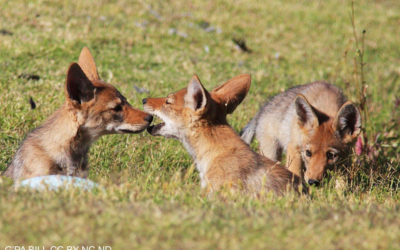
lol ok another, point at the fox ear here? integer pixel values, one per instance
(232, 93)
(348, 122)
(305, 113)
(88, 65)
(78, 86)
(196, 96)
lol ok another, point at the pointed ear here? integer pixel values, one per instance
(232, 93)
(78, 86)
(196, 96)
(88, 65)
(305, 113)
(348, 122)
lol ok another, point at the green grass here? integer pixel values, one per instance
(153, 197)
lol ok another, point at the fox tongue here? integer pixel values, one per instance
(154, 128)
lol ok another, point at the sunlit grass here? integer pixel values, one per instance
(153, 197)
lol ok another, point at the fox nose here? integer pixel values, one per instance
(313, 182)
(149, 118)
(144, 100)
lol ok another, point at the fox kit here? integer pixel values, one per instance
(197, 118)
(312, 123)
(92, 108)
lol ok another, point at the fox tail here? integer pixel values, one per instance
(249, 130)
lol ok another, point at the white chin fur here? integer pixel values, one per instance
(167, 131)
(110, 127)
(170, 129)
(128, 127)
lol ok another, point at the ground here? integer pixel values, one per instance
(153, 197)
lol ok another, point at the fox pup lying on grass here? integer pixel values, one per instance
(197, 118)
(312, 123)
(92, 108)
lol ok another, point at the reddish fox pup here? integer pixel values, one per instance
(312, 123)
(197, 118)
(92, 108)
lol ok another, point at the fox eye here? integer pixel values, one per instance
(330, 155)
(168, 101)
(117, 108)
(308, 153)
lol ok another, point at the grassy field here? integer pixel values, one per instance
(153, 198)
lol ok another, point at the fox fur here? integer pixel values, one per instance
(197, 118)
(92, 108)
(313, 123)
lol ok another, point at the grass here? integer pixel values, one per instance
(153, 198)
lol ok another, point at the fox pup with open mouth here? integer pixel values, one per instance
(197, 118)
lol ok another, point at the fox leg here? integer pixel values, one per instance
(78, 168)
(293, 159)
(270, 148)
